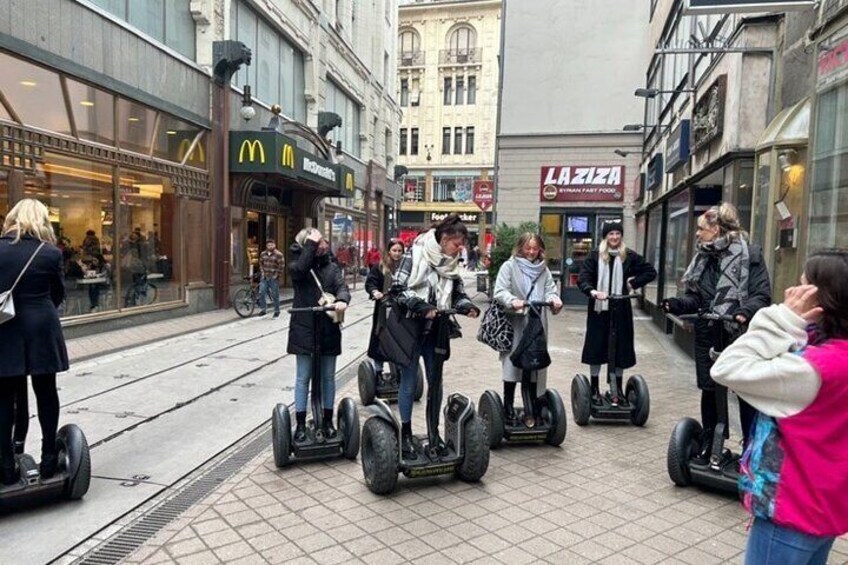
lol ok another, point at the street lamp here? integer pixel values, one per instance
(428, 148)
(652, 92)
(634, 127)
(622, 153)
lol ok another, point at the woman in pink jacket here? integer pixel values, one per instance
(792, 366)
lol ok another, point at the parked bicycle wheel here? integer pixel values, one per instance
(244, 302)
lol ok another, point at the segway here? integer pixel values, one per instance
(316, 445)
(721, 472)
(375, 382)
(542, 420)
(465, 452)
(633, 405)
(71, 480)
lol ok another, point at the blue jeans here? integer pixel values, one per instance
(304, 376)
(409, 379)
(272, 288)
(770, 544)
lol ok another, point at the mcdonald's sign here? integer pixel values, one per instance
(347, 180)
(256, 152)
(287, 156)
(197, 156)
(251, 149)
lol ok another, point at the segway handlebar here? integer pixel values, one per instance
(707, 315)
(326, 308)
(538, 304)
(624, 296)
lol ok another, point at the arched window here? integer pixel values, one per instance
(409, 46)
(462, 40)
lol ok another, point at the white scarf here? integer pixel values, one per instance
(432, 270)
(531, 272)
(604, 282)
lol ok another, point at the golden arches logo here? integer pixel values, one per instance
(198, 155)
(251, 148)
(349, 181)
(287, 156)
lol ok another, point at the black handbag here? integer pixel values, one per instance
(531, 353)
(398, 334)
(496, 330)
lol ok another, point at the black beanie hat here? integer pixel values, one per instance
(614, 225)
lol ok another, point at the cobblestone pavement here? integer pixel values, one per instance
(603, 497)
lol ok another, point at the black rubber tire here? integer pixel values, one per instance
(581, 400)
(682, 445)
(559, 419)
(379, 455)
(419, 383)
(347, 422)
(491, 412)
(639, 398)
(281, 435)
(367, 376)
(74, 454)
(475, 459)
(243, 302)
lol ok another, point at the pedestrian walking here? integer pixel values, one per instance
(428, 280)
(524, 278)
(377, 285)
(792, 366)
(31, 343)
(314, 276)
(727, 276)
(611, 269)
(271, 265)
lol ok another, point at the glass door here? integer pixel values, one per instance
(579, 241)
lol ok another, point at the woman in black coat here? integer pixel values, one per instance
(31, 343)
(311, 260)
(726, 276)
(611, 269)
(377, 285)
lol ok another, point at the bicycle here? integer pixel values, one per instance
(245, 300)
(141, 293)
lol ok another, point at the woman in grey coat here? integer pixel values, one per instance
(525, 270)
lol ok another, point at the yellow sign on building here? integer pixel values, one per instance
(287, 156)
(251, 147)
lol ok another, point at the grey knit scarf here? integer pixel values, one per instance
(734, 269)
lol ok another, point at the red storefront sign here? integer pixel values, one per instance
(569, 183)
(484, 194)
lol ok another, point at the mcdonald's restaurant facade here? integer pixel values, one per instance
(277, 184)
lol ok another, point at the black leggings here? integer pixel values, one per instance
(14, 413)
(709, 414)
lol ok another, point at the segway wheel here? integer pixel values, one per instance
(419, 383)
(475, 460)
(681, 448)
(281, 434)
(639, 399)
(379, 455)
(581, 400)
(347, 423)
(73, 450)
(559, 420)
(491, 412)
(367, 374)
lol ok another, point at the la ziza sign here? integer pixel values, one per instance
(568, 183)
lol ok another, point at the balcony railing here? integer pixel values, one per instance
(460, 56)
(411, 59)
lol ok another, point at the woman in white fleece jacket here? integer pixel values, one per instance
(792, 366)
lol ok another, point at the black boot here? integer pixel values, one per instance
(407, 449)
(703, 455)
(19, 448)
(509, 401)
(300, 428)
(596, 391)
(329, 429)
(49, 460)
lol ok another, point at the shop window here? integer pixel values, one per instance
(653, 252)
(135, 126)
(78, 195)
(552, 233)
(148, 223)
(174, 139)
(677, 241)
(94, 112)
(34, 94)
(828, 220)
(198, 247)
(761, 203)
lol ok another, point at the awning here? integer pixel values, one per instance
(271, 152)
(790, 127)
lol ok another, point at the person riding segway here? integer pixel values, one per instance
(320, 299)
(428, 290)
(609, 275)
(373, 380)
(524, 287)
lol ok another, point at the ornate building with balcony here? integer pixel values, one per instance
(448, 90)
